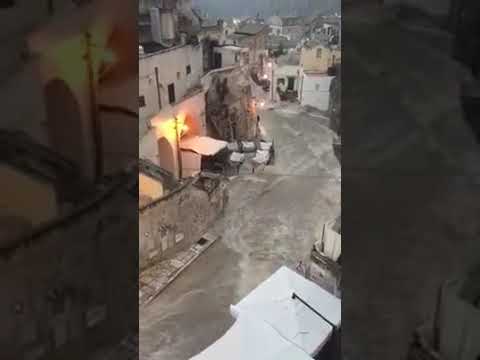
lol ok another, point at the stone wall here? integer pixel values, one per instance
(179, 219)
(63, 282)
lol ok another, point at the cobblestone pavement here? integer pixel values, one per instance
(157, 277)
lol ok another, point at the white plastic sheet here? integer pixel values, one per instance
(252, 339)
(272, 302)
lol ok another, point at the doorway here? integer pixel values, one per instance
(165, 155)
(171, 93)
(217, 61)
(291, 84)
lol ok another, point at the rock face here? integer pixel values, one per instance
(229, 109)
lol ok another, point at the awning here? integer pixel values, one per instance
(252, 339)
(203, 145)
(308, 321)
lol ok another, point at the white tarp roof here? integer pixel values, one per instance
(252, 339)
(272, 302)
(203, 145)
(312, 79)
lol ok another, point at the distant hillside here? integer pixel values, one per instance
(224, 8)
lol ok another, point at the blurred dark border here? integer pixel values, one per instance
(411, 179)
(69, 150)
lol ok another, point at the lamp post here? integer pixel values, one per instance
(179, 150)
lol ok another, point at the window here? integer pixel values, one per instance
(189, 69)
(179, 76)
(237, 58)
(319, 53)
(141, 101)
(317, 87)
(291, 83)
(171, 93)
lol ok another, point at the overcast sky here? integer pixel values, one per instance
(219, 8)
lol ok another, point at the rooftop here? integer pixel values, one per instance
(294, 21)
(289, 59)
(251, 29)
(237, 36)
(152, 47)
(319, 42)
(274, 41)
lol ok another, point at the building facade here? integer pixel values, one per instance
(319, 57)
(318, 62)
(166, 78)
(173, 220)
(253, 37)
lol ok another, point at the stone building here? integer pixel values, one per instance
(173, 220)
(253, 37)
(318, 62)
(294, 27)
(171, 99)
(319, 57)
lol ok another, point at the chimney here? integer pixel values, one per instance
(168, 26)
(155, 24)
(162, 24)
